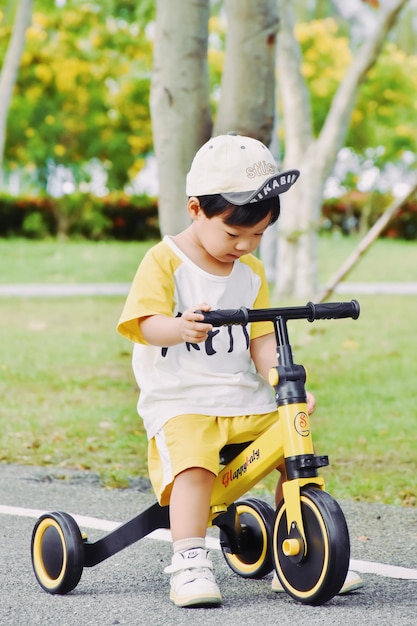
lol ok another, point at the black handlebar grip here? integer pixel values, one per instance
(334, 310)
(223, 317)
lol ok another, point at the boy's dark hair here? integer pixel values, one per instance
(245, 215)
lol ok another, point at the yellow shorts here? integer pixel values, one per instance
(195, 441)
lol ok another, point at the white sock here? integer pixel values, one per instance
(189, 543)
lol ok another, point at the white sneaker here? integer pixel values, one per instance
(192, 579)
(353, 581)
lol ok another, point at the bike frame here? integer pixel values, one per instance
(289, 439)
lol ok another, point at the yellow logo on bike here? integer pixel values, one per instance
(301, 424)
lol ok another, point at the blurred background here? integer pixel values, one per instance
(76, 140)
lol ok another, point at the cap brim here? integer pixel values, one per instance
(272, 187)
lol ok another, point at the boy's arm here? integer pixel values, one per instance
(263, 351)
(165, 331)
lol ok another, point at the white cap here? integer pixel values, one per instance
(241, 169)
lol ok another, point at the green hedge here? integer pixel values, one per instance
(357, 212)
(118, 216)
(115, 216)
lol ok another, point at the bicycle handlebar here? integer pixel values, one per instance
(310, 312)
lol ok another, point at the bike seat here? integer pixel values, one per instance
(229, 451)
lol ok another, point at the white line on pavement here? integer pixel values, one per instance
(364, 567)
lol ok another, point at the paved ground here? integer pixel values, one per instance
(130, 588)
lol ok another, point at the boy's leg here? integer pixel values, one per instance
(192, 580)
(189, 505)
(281, 480)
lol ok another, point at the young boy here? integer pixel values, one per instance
(202, 388)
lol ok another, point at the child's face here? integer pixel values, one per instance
(227, 243)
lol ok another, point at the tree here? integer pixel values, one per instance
(180, 112)
(296, 272)
(180, 108)
(10, 68)
(248, 86)
(82, 94)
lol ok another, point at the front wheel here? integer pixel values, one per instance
(319, 575)
(57, 551)
(256, 519)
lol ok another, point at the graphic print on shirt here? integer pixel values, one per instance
(208, 344)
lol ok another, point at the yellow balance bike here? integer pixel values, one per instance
(305, 540)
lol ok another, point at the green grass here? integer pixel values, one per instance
(387, 260)
(69, 397)
(25, 261)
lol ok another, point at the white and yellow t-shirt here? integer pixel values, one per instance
(217, 377)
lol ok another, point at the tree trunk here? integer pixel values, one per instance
(248, 82)
(10, 69)
(296, 270)
(179, 101)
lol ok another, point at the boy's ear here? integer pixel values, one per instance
(193, 207)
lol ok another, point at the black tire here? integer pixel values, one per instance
(255, 560)
(57, 552)
(319, 575)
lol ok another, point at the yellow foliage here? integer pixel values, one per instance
(136, 124)
(316, 29)
(372, 106)
(50, 119)
(72, 19)
(82, 96)
(43, 73)
(216, 59)
(397, 55)
(36, 34)
(106, 134)
(59, 150)
(123, 68)
(357, 117)
(41, 19)
(97, 41)
(325, 53)
(26, 59)
(135, 168)
(308, 70)
(384, 111)
(70, 70)
(34, 93)
(216, 25)
(29, 132)
(405, 131)
(321, 88)
(137, 144)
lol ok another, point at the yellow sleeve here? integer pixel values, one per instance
(262, 300)
(151, 292)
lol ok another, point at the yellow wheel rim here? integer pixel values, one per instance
(316, 587)
(234, 559)
(38, 563)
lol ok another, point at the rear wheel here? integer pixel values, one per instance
(57, 552)
(318, 575)
(256, 520)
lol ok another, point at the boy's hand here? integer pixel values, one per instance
(311, 403)
(191, 327)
